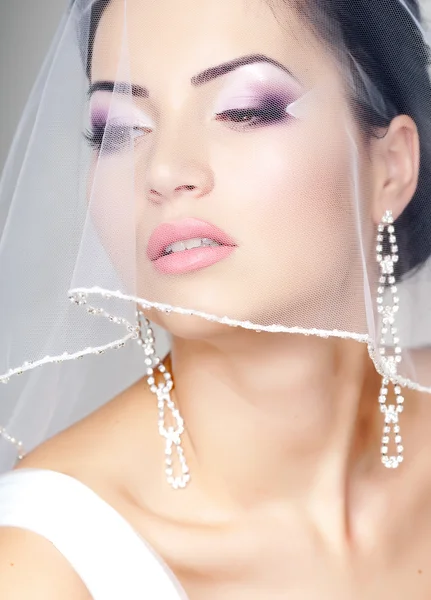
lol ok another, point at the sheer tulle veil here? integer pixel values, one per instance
(85, 239)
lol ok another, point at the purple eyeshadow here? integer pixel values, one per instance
(257, 95)
(273, 101)
(274, 95)
(98, 117)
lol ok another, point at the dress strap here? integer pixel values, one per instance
(110, 557)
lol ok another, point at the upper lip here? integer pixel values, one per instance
(168, 233)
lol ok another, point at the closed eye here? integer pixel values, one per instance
(117, 137)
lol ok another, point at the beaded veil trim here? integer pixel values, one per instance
(80, 297)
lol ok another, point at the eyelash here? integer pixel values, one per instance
(94, 136)
(119, 134)
(272, 113)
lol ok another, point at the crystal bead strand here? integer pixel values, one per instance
(390, 362)
(172, 435)
(12, 440)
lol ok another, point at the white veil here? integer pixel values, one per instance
(83, 225)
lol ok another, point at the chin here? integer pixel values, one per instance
(189, 327)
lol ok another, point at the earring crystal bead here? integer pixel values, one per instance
(171, 434)
(389, 362)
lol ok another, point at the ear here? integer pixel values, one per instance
(396, 158)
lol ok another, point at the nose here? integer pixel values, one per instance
(178, 168)
(169, 181)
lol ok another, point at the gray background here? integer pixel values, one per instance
(26, 29)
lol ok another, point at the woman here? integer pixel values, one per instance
(258, 171)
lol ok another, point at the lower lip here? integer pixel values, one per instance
(192, 260)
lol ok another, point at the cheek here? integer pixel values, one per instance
(289, 197)
(111, 207)
(290, 190)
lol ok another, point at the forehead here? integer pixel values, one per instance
(180, 39)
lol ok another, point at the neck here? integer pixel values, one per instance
(270, 416)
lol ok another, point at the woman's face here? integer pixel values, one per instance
(222, 149)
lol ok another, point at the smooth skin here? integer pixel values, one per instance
(288, 498)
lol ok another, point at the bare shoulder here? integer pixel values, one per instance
(100, 445)
(99, 452)
(105, 442)
(31, 568)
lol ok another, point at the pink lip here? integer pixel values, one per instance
(188, 260)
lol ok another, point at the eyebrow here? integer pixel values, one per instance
(197, 80)
(224, 68)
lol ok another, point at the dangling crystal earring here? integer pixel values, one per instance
(171, 434)
(390, 362)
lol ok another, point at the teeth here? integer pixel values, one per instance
(189, 245)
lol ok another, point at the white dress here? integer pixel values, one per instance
(110, 557)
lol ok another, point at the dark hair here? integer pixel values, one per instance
(97, 10)
(384, 40)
